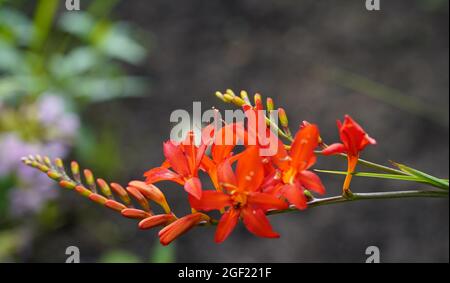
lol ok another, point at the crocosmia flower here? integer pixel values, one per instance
(185, 159)
(354, 139)
(294, 165)
(242, 197)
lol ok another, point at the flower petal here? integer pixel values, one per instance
(311, 181)
(226, 225)
(194, 187)
(295, 196)
(176, 158)
(334, 148)
(250, 170)
(266, 201)
(257, 223)
(226, 175)
(162, 174)
(210, 200)
(302, 150)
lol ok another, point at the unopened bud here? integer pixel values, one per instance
(258, 102)
(283, 117)
(104, 188)
(220, 96)
(67, 184)
(269, 104)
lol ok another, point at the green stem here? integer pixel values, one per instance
(366, 196)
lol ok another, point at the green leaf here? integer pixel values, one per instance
(437, 182)
(163, 254)
(375, 175)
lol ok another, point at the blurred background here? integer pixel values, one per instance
(98, 86)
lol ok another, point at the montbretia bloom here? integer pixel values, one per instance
(184, 159)
(354, 139)
(294, 165)
(241, 196)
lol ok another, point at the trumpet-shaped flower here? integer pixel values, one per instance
(184, 159)
(294, 165)
(354, 139)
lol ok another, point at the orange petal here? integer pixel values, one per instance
(194, 187)
(334, 148)
(226, 225)
(250, 170)
(176, 158)
(162, 174)
(266, 201)
(210, 200)
(257, 223)
(311, 181)
(295, 196)
(225, 174)
(302, 150)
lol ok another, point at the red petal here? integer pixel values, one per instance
(226, 175)
(295, 196)
(256, 222)
(210, 200)
(312, 182)
(302, 150)
(266, 201)
(176, 158)
(226, 225)
(250, 170)
(224, 143)
(162, 174)
(194, 187)
(335, 148)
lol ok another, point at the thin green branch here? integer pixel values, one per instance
(366, 196)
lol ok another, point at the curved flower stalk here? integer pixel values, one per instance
(246, 185)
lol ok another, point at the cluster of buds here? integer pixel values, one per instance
(246, 184)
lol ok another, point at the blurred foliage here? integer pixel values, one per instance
(74, 54)
(163, 254)
(119, 256)
(83, 57)
(160, 254)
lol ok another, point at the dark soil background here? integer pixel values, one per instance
(301, 53)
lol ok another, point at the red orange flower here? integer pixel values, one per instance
(185, 159)
(242, 196)
(294, 165)
(354, 140)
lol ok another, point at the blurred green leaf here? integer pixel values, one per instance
(79, 24)
(119, 256)
(163, 254)
(9, 241)
(15, 27)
